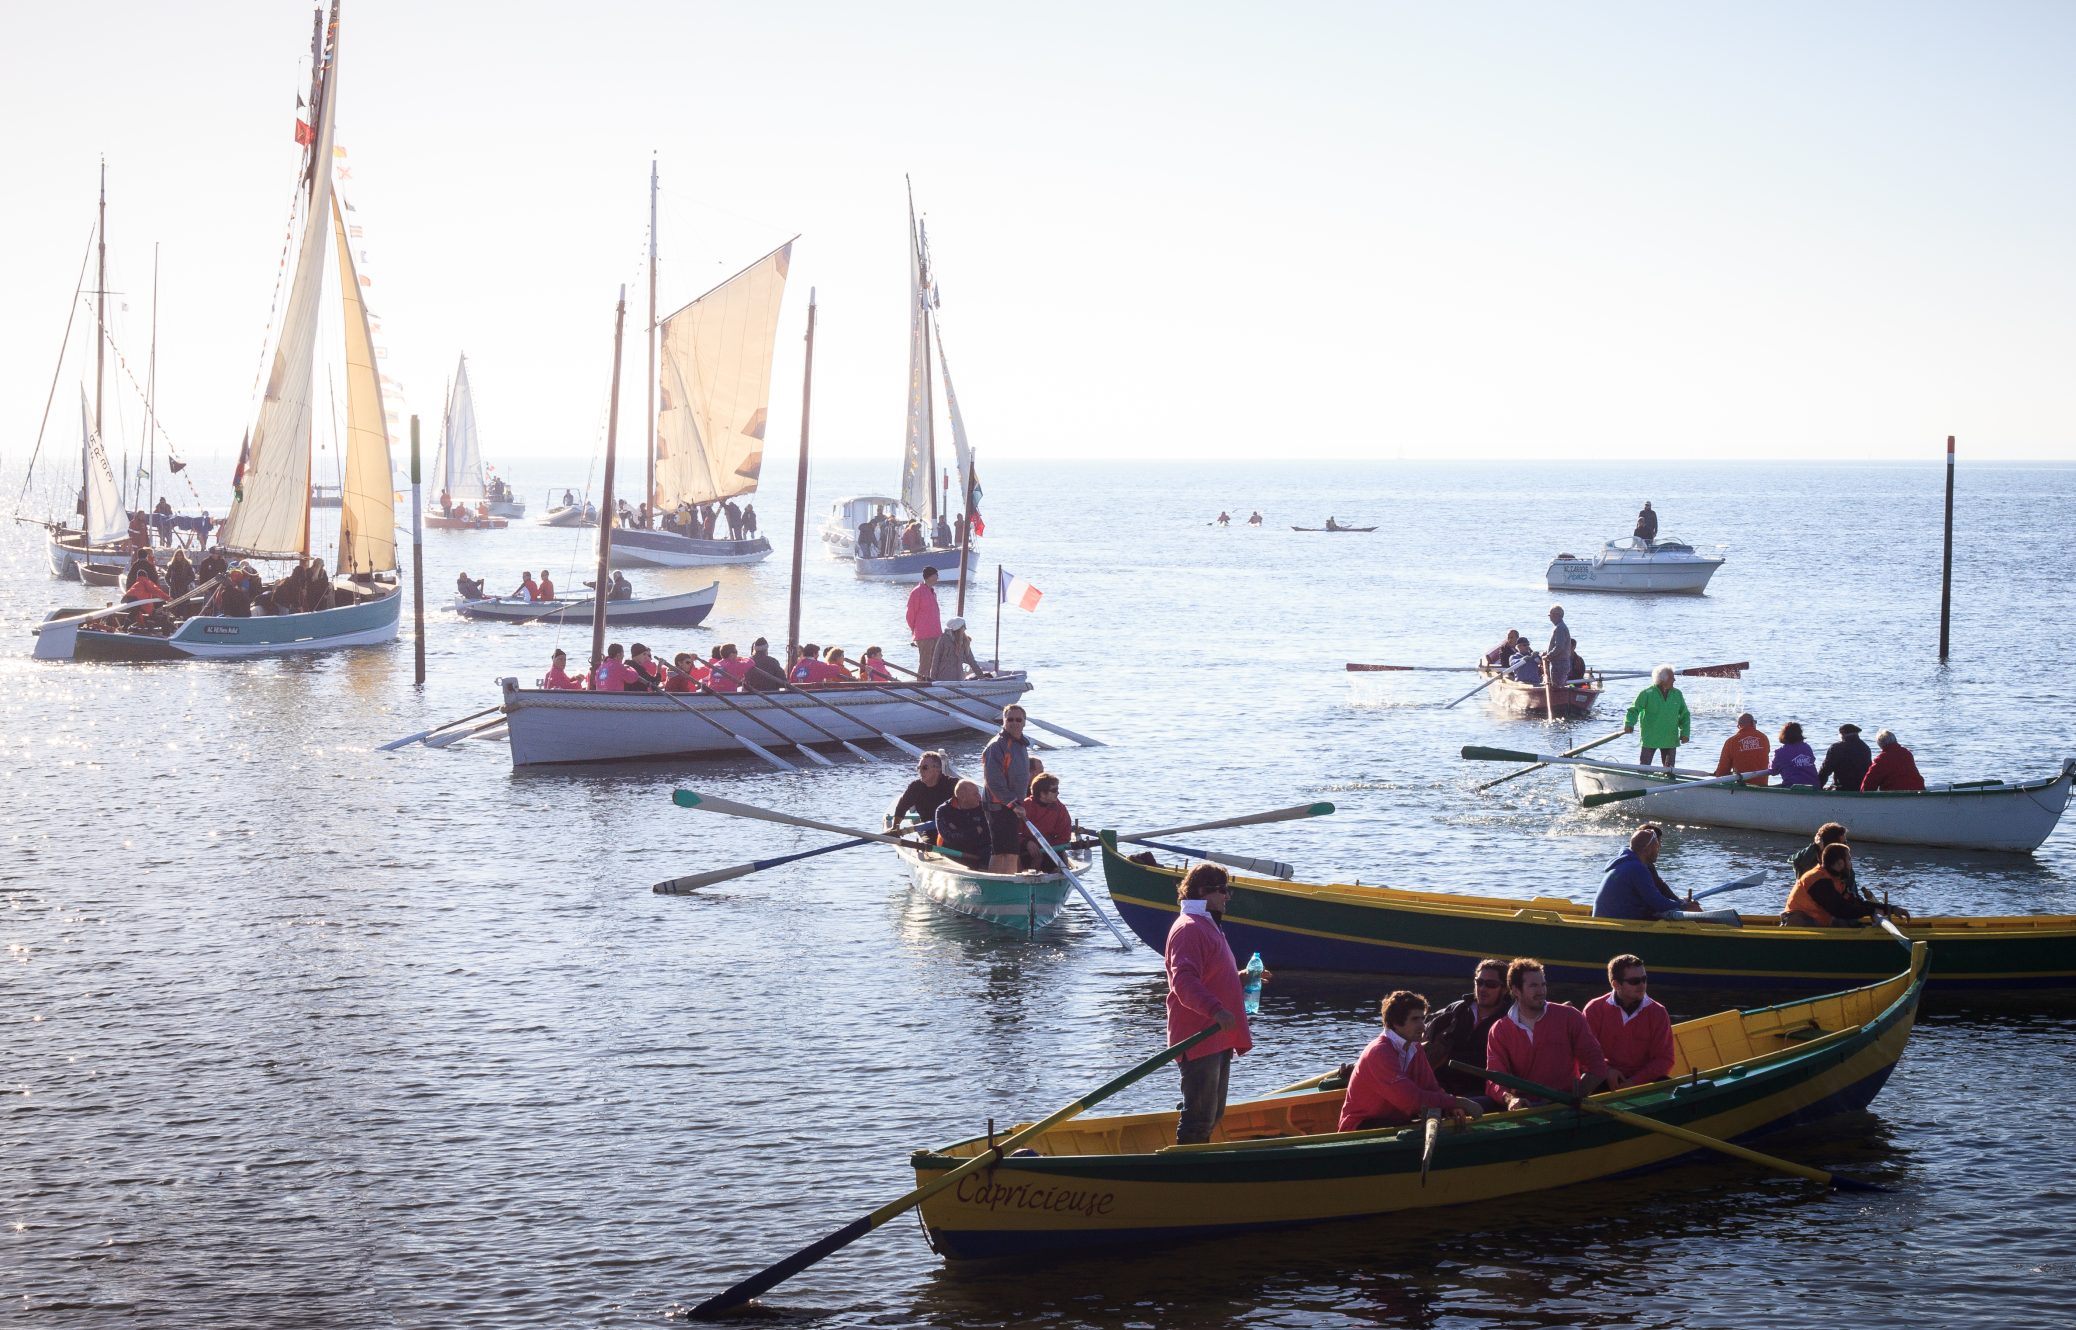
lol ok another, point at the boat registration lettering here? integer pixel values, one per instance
(976, 1190)
(220, 629)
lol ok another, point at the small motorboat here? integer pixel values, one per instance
(463, 519)
(1635, 565)
(685, 610)
(846, 515)
(577, 512)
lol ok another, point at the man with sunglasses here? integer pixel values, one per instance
(1204, 988)
(1634, 1032)
(1457, 1032)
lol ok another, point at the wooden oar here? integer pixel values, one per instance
(709, 803)
(772, 1276)
(1046, 725)
(743, 739)
(1060, 862)
(1732, 670)
(862, 754)
(1476, 753)
(1355, 668)
(920, 698)
(1617, 796)
(794, 690)
(1889, 926)
(743, 711)
(1569, 752)
(395, 744)
(1835, 1180)
(1294, 813)
(1431, 1133)
(685, 886)
(109, 610)
(452, 737)
(1748, 880)
(1475, 691)
(1259, 867)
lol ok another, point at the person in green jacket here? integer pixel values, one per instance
(1663, 714)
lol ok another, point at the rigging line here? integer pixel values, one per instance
(122, 363)
(63, 342)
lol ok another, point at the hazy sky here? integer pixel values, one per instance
(1162, 230)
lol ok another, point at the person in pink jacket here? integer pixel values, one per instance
(925, 621)
(1204, 988)
(1541, 1041)
(1392, 1082)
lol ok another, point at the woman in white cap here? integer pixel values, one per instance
(954, 659)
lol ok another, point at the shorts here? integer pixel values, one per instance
(1005, 830)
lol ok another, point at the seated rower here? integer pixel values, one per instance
(874, 666)
(1793, 760)
(558, 676)
(930, 789)
(1457, 1032)
(765, 674)
(1391, 1082)
(1812, 854)
(648, 674)
(1043, 809)
(1578, 662)
(953, 659)
(1541, 1041)
(684, 676)
(1634, 1033)
(620, 588)
(612, 674)
(833, 658)
(1632, 889)
(962, 827)
(526, 591)
(1527, 667)
(1503, 654)
(544, 590)
(1894, 766)
(468, 588)
(726, 670)
(1745, 752)
(1820, 898)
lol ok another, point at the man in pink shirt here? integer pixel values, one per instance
(1633, 1031)
(612, 673)
(1540, 1041)
(925, 624)
(1392, 1083)
(558, 673)
(1204, 989)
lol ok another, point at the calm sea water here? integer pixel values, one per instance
(298, 1033)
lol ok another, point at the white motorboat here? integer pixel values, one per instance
(1967, 815)
(846, 515)
(1635, 565)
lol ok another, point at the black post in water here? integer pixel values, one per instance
(1946, 564)
(417, 564)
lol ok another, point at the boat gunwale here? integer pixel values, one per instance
(1998, 787)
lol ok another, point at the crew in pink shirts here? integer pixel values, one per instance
(1203, 989)
(729, 669)
(1633, 1032)
(613, 673)
(558, 675)
(925, 624)
(1541, 1041)
(1392, 1082)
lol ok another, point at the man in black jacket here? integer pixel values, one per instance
(1848, 760)
(1458, 1030)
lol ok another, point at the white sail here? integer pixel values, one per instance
(106, 522)
(367, 504)
(958, 422)
(461, 455)
(918, 462)
(270, 513)
(715, 382)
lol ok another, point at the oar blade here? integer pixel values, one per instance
(1612, 797)
(1475, 753)
(685, 886)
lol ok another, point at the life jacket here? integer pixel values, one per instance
(1803, 901)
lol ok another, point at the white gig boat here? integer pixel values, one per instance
(1025, 902)
(1968, 815)
(1635, 565)
(551, 727)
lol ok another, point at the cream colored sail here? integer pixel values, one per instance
(460, 469)
(919, 459)
(715, 385)
(271, 513)
(958, 422)
(367, 508)
(106, 522)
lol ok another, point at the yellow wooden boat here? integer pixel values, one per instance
(1278, 1161)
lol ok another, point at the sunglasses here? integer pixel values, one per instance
(1490, 983)
(1636, 979)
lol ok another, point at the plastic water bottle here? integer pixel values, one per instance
(1252, 988)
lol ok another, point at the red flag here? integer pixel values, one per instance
(304, 134)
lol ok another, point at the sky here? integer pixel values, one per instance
(1162, 231)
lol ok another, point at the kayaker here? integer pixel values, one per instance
(962, 826)
(1204, 988)
(1793, 761)
(1457, 1032)
(1821, 898)
(1006, 766)
(1845, 762)
(1631, 887)
(1894, 767)
(558, 676)
(1634, 1033)
(1662, 712)
(933, 784)
(1541, 1042)
(1557, 660)
(925, 625)
(1746, 751)
(1254, 518)
(1391, 1083)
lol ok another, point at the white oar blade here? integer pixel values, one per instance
(709, 803)
(1292, 814)
(685, 886)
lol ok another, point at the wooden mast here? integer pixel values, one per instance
(599, 589)
(151, 385)
(649, 384)
(807, 388)
(100, 345)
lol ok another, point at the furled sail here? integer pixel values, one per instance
(271, 515)
(715, 381)
(106, 522)
(461, 454)
(958, 422)
(367, 504)
(919, 461)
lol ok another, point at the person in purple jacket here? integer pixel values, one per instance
(1793, 761)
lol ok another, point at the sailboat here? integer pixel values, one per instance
(270, 516)
(707, 415)
(921, 496)
(462, 502)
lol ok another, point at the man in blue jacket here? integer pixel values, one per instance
(1632, 888)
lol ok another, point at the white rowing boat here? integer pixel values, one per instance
(1968, 815)
(551, 726)
(1025, 902)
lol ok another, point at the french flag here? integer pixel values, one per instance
(1017, 592)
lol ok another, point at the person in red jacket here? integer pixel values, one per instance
(1633, 1032)
(1746, 752)
(1204, 988)
(1894, 767)
(1392, 1082)
(1541, 1041)
(1044, 811)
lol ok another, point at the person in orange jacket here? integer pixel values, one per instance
(1745, 752)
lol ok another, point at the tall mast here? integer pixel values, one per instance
(807, 385)
(151, 383)
(100, 332)
(922, 258)
(649, 384)
(600, 588)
